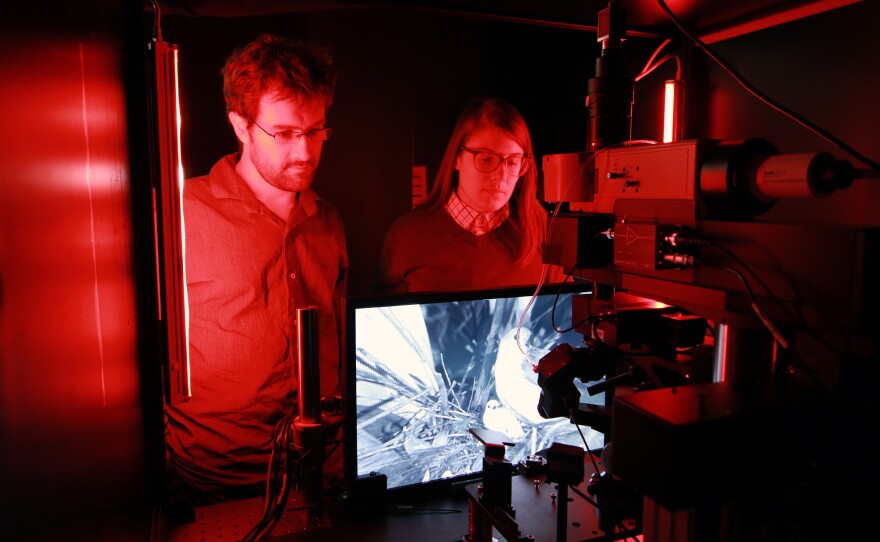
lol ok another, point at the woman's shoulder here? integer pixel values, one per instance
(421, 218)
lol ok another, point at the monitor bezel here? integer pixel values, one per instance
(444, 486)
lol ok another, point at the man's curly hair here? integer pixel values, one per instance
(282, 67)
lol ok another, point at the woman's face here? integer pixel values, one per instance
(488, 191)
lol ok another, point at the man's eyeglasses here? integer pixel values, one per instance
(292, 136)
(487, 162)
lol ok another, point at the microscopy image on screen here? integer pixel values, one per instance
(427, 373)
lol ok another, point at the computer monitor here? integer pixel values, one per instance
(422, 369)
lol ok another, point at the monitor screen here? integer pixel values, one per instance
(423, 369)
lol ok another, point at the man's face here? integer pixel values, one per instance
(290, 165)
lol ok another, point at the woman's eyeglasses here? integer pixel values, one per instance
(488, 161)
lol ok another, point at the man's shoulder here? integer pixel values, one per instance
(222, 173)
(197, 189)
(197, 182)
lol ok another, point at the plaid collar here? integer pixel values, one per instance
(472, 220)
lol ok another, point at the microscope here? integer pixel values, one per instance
(735, 353)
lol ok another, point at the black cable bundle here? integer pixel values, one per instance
(281, 467)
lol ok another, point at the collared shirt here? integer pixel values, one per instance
(247, 273)
(472, 220)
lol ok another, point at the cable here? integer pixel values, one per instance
(791, 314)
(555, 302)
(657, 64)
(544, 268)
(550, 226)
(768, 324)
(759, 95)
(277, 481)
(651, 65)
(157, 22)
(583, 438)
(285, 469)
(525, 311)
(659, 48)
(777, 335)
(584, 496)
(711, 329)
(765, 321)
(795, 317)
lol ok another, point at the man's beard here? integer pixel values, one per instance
(286, 176)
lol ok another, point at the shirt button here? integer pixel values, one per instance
(293, 275)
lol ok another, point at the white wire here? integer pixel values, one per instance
(546, 266)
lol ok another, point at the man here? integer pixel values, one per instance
(260, 243)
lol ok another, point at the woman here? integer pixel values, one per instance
(481, 226)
